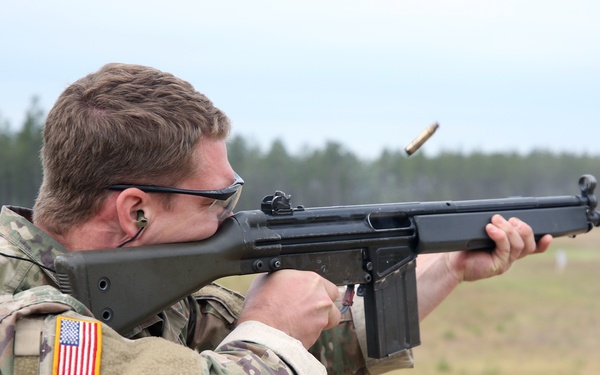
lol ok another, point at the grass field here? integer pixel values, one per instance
(532, 320)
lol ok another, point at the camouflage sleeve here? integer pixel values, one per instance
(218, 311)
(342, 350)
(290, 349)
(73, 342)
(338, 349)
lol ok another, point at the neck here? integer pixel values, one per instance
(102, 231)
(90, 236)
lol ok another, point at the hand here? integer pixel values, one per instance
(514, 240)
(299, 303)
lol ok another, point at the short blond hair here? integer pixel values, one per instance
(122, 124)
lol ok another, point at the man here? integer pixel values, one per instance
(129, 124)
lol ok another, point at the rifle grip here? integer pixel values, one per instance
(391, 312)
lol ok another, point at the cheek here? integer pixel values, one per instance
(183, 223)
(207, 229)
(203, 225)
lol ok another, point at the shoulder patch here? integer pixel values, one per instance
(77, 347)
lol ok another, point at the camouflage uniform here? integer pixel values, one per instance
(204, 321)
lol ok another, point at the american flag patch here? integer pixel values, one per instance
(77, 347)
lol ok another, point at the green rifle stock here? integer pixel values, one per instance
(374, 246)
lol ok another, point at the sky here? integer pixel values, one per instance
(498, 76)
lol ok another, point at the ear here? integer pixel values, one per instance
(133, 208)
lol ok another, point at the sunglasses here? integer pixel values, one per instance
(225, 199)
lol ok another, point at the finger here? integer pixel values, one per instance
(332, 290)
(543, 244)
(334, 315)
(334, 318)
(500, 238)
(525, 232)
(516, 242)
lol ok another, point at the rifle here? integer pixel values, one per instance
(373, 246)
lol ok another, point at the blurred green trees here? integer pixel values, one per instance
(20, 168)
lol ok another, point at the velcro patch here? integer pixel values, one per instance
(78, 347)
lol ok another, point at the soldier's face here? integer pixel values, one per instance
(194, 218)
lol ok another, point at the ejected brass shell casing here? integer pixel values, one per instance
(422, 138)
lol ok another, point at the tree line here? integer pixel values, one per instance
(333, 175)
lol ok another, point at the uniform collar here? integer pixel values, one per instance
(32, 242)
